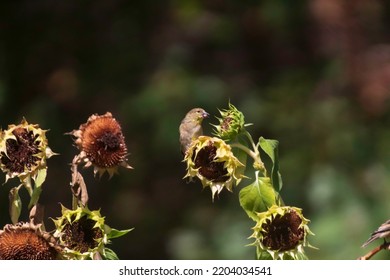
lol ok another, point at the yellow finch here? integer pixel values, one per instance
(382, 232)
(191, 127)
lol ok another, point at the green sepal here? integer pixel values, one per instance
(270, 147)
(114, 233)
(258, 196)
(15, 205)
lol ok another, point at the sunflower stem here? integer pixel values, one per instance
(75, 202)
(255, 148)
(77, 185)
(255, 155)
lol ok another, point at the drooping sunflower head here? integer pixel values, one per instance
(212, 161)
(23, 150)
(81, 232)
(84, 235)
(282, 233)
(102, 144)
(231, 123)
(25, 241)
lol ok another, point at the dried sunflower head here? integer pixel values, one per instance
(84, 234)
(212, 161)
(102, 144)
(23, 151)
(81, 232)
(26, 241)
(282, 233)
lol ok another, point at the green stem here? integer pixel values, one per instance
(75, 202)
(255, 148)
(251, 153)
(258, 164)
(255, 155)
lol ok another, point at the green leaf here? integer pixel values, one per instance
(263, 255)
(110, 254)
(114, 233)
(15, 205)
(41, 177)
(270, 147)
(37, 190)
(27, 184)
(258, 196)
(35, 196)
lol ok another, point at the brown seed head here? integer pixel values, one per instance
(25, 241)
(81, 235)
(210, 169)
(283, 233)
(21, 152)
(102, 144)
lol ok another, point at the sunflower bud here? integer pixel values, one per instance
(23, 151)
(102, 144)
(212, 161)
(282, 233)
(231, 123)
(25, 241)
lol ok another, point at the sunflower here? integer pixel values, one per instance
(23, 151)
(84, 234)
(101, 144)
(282, 233)
(212, 161)
(26, 241)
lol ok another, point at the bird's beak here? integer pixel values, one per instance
(205, 115)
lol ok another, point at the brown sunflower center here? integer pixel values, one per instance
(283, 233)
(81, 235)
(107, 150)
(21, 153)
(109, 141)
(208, 168)
(25, 244)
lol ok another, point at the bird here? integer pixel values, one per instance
(191, 127)
(382, 232)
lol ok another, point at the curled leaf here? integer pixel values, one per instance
(15, 204)
(270, 147)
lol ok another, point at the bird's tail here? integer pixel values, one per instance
(372, 238)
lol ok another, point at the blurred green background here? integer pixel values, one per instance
(313, 74)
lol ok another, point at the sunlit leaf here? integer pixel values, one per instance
(270, 147)
(258, 196)
(41, 177)
(114, 233)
